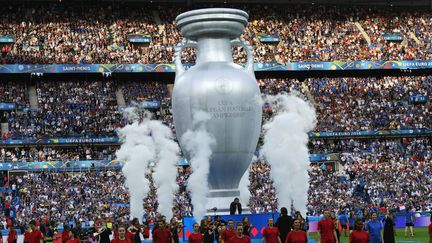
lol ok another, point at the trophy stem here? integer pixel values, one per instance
(214, 49)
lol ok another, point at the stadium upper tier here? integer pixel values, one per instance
(93, 108)
(58, 33)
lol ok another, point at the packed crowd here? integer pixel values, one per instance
(14, 92)
(351, 104)
(69, 108)
(62, 33)
(139, 91)
(263, 195)
(58, 33)
(77, 108)
(371, 173)
(84, 196)
(90, 108)
(374, 172)
(412, 27)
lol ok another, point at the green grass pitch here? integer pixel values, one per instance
(420, 236)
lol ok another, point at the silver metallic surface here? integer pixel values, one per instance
(227, 91)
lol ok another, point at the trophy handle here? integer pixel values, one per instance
(249, 51)
(178, 51)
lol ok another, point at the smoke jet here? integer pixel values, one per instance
(285, 148)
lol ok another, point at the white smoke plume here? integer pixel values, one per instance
(131, 114)
(198, 143)
(285, 148)
(166, 170)
(137, 150)
(145, 141)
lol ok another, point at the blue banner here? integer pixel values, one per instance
(370, 133)
(323, 157)
(183, 162)
(30, 48)
(419, 99)
(120, 205)
(259, 67)
(71, 165)
(62, 165)
(311, 135)
(150, 104)
(60, 140)
(395, 36)
(353, 65)
(139, 38)
(7, 106)
(7, 39)
(258, 221)
(269, 39)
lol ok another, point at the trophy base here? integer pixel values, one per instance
(224, 193)
(221, 201)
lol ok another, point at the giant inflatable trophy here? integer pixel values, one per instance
(227, 91)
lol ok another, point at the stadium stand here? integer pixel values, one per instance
(367, 172)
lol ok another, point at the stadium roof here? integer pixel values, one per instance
(345, 2)
(412, 3)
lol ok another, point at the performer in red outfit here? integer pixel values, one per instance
(240, 237)
(65, 233)
(271, 233)
(359, 235)
(121, 238)
(35, 235)
(27, 235)
(73, 237)
(196, 236)
(229, 232)
(326, 230)
(297, 235)
(12, 235)
(162, 234)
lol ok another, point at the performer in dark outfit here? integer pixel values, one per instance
(389, 233)
(284, 224)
